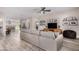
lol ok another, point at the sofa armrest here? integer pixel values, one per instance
(59, 41)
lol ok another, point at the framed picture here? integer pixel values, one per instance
(73, 23)
(42, 22)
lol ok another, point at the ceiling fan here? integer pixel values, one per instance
(44, 10)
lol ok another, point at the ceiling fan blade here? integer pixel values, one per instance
(47, 10)
(43, 8)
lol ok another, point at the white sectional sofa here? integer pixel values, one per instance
(44, 40)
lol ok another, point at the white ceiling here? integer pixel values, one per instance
(24, 12)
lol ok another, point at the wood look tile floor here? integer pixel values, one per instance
(70, 45)
(13, 42)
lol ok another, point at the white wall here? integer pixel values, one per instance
(37, 17)
(64, 14)
(54, 15)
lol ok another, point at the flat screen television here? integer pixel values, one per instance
(52, 25)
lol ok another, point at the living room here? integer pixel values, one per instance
(39, 28)
(51, 38)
